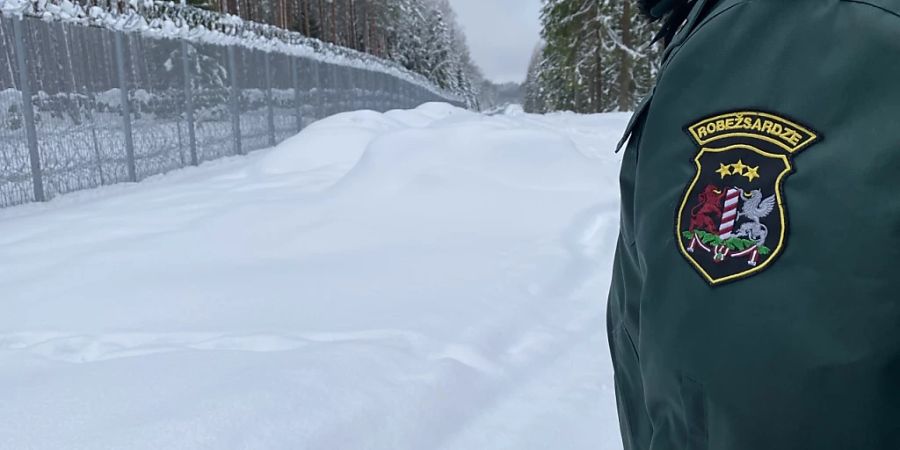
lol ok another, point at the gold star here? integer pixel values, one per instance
(752, 172)
(724, 170)
(739, 167)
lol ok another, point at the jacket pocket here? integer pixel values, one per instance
(636, 428)
(695, 415)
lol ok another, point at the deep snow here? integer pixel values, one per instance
(425, 279)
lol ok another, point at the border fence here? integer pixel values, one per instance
(86, 106)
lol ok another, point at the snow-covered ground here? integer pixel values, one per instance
(430, 279)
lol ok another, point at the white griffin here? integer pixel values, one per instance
(755, 208)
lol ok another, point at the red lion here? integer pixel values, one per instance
(709, 206)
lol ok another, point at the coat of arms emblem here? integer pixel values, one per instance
(732, 220)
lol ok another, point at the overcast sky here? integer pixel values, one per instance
(501, 34)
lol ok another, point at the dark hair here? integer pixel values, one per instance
(672, 13)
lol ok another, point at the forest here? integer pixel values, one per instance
(421, 35)
(595, 56)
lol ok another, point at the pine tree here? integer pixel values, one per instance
(534, 97)
(421, 35)
(595, 57)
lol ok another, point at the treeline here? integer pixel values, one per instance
(421, 35)
(595, 57)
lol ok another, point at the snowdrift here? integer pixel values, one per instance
(424, 279)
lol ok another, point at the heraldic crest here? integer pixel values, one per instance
(732, 220)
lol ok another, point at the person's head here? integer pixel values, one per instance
(671, 12)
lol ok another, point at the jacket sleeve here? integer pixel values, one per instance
(623, 317)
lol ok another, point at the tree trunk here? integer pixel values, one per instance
(306, 17)
(281, 13)
(322, 22)
(353, 41)
(334, 33)
(625, 82)
(374, 40)
(367, 44)
(598, 64)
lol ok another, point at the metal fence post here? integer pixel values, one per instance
(408, 94)
(235, 95)
(295, 82)
(376, 87)
(126, 105)
(320, 93)
(327, 98)
(321, 75)
(365, 92)
(189, 101)
(397, 86)
(346, 78)
(371, 88)
(270, 107)
(37, 178)
(336, 82)
(404, 94)
(389, 91)
(386, 92)
(360, 83)
(337, 105)
(352, 86)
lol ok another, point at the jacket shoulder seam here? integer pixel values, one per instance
(891, 11)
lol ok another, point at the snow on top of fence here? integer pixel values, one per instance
(166, 19)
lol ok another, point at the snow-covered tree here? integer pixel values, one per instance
(533, 91)
(421, 35)
(596, 57)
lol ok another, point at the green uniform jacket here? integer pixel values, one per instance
(755, 302)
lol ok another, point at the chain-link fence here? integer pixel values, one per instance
(82, 106)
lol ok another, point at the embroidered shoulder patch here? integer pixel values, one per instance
(732, 221)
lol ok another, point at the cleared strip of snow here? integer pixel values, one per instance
(425, 279)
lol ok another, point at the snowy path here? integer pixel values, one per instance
(427, 279)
